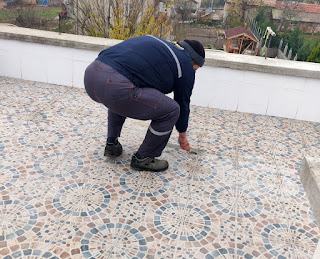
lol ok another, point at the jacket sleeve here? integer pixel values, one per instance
(182, 94)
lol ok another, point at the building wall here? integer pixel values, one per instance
(227, 81)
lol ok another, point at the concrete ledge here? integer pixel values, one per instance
(310, 178)
(10, 32)
(213, 58)
(260, 64)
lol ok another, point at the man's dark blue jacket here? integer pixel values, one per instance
(149, 61)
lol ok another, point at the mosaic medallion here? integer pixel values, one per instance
(26, 118)
(8, 176)
(237, 128)
(230, 155)
(303, 138)
(58, 165)
(183, 222)
(41, 138)
(228, 253)
(113, 241)
(197, 169)
(208, 113)
(268, 121)
(65, 96)
(316, 127)
(6, 87)
(31, 254)
(284, 241)
(91, 130)
(144, 184)
(236, 202)
(16, 218)
(280, 185)
(74, 112)
(16, 101)
(2, 146)
(98, 154)
(311, 216)
(204, 135)
(297, 166)
(81, 199)
(273, 147)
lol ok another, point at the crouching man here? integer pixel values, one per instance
(131, 80)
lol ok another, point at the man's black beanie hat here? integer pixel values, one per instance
(195, 50)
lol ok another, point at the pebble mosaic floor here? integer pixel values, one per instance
(239, 197)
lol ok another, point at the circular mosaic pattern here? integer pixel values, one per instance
(41, 138)
(208, 113)
(171, 218)
(91, 130)
(310, 139)
(237, 128)
(236, 202)
(7, 87)
(81, 199)
(65, 97)
(16, 101)
(16, 217)
(103, 242)
(144, 184)
(58, 165)
(8, 176)
(317, 127)
(246, 158)
(283, 240)
(273, 147)
(268, 121)
(201, 170)
(26, 118)
(74, 112)
(31, 254)
(311, 216)
(2, 146)
(98, 154)
(297, 166)
(231, 253)
(204, 135)
(285, 187)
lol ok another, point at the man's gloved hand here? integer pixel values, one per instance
(183, 141)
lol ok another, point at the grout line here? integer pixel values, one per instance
(121, 231)
(281, 189)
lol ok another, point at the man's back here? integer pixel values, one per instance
(149, 61)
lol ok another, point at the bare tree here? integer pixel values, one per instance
(288, 8)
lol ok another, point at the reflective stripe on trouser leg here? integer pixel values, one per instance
(158, 133)
(156, 140)
(115, 123)
(153, 145)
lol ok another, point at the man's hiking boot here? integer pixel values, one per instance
(113, 150)
(149, 164)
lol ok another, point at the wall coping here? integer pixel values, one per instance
(213, 57)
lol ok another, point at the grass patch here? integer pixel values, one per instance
(47, 13)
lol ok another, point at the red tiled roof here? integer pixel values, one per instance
(238, 31)
(306, 8)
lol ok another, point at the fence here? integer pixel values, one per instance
(285, 54)
(283, 51)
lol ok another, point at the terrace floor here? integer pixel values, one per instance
(239, 197)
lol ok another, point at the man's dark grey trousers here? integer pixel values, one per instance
(123, 99)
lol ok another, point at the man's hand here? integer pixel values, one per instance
(183, 141)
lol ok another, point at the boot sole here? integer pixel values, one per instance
(111, 154)
(148, 169)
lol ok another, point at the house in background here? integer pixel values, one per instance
(306, 15)
(240, 41)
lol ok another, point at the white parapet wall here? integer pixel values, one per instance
(227, 81)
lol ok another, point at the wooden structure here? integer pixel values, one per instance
(239, 40)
